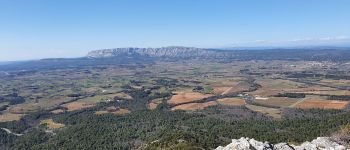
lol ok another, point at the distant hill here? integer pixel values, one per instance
(317, 53)
(119, 56)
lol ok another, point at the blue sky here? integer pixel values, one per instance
(69, 28)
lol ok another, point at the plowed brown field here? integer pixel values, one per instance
(185, 97)
(231, 101)
(324, 104)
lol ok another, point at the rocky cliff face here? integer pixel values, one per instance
(173, 52)
(321, 143)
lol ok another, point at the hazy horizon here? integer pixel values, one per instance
(49, 29)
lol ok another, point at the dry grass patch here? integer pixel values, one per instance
(271, 87)
(224, 81)
(114, 110)
(340, 82)
(101, 112)
(319, 90)
(77, 105)
(264, 92)
(221, 89)
(121, 112)
(194, 106)
(277, 101)
(327, 92)
(231, 101)
(32, 106)
(105, 98)
(273, 112)
(51, 124)
(24, 108)
(279, 84)
(241, 86)
(137, 87)
(185, 97)
(323, 104)
(50, 102)
(154, 103)
(226, 86)
(91, 90)
(111, 108)
(122, 95)
(231, 88)
(57, 111)
(5, 117)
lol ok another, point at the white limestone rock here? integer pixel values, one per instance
(321, 143)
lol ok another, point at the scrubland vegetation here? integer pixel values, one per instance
(179, 104)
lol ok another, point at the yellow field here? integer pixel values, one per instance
(10, 117)
(51, 124)
(101, 112)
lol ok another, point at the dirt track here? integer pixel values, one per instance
(10, 132)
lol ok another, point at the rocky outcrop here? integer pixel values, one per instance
(321, 143)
